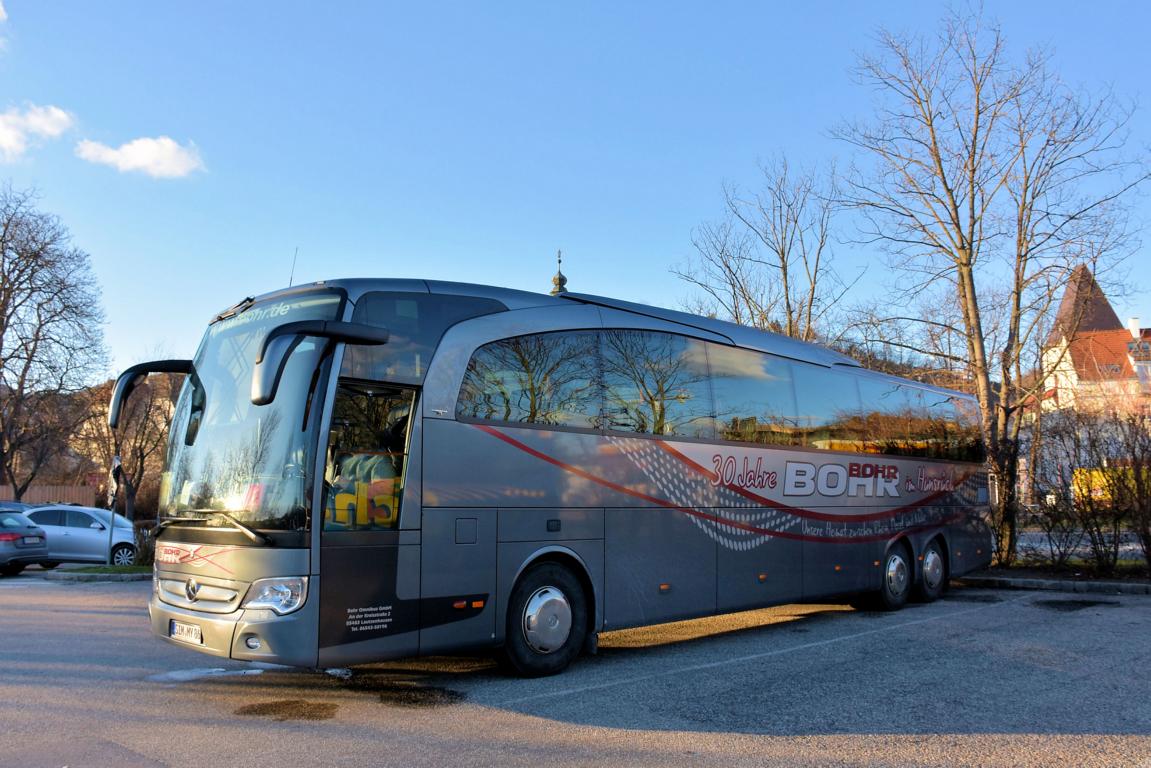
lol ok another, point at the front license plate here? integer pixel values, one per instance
(32, 539)
(189, 633)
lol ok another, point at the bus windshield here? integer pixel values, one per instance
(228, 457)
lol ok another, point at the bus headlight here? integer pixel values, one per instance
(282, 594)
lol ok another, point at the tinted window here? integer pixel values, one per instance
(13, 520)
(969, 438)
(910, 421)
(890, 418)
(547, 378)
(102, 516)
(48, 516)
(78, 519)
(754, 396)
(827, 407)
(656, 383)
(415, 323)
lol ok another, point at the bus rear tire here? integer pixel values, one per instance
(547, 621)
(930, 587)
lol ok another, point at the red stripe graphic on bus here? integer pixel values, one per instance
(716, 520)
(196, 556)
(808, 513)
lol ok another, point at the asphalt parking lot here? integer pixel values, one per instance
(981, 678)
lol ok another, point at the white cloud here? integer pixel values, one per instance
(160, 157)
(3, 13)
(19, 128)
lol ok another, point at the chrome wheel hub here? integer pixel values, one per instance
(547, 620)
(897, 575)
(932, 569)
(122, 557)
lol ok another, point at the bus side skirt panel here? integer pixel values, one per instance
(458, 565)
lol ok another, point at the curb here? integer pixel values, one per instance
(66, 576)
(1058, 585)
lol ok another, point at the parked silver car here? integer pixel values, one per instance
(21, 543)
(80, 535)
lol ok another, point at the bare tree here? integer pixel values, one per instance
(1098, 466)
(1131, 474)
(767, 262)
(51, 339)
(140, 439)
(991, 182)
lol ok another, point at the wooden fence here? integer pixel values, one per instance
(54, 494)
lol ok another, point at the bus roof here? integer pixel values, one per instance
(740, 335)
(513, 299)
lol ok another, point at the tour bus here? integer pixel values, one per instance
(366, 469)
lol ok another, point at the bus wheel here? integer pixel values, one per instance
(547, 621)
(934, 579)
(897, 578)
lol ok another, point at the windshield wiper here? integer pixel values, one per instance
(235, 309)
(173, 521)
(256, 536)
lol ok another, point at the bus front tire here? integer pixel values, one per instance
(930, 587)
(895, 588)
(547, 621)
(898, 575)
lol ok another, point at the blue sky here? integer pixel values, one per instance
(457, 141)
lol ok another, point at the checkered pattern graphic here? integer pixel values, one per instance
(691, 490)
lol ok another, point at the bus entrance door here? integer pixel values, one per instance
(369, 568)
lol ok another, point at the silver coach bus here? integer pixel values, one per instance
(361, 470)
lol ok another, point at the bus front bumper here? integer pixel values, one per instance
(244, 635)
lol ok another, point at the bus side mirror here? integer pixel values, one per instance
(281, 340)
(134, 377)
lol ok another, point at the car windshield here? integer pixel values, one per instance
(226, 455)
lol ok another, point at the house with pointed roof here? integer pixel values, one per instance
(1091, 360)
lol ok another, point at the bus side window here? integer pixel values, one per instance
(657, 384)
(828, 407)
(754, 396)
(544, 378)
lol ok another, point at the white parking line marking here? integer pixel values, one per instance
(751, 657)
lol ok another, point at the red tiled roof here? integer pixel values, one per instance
(1102, 355)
